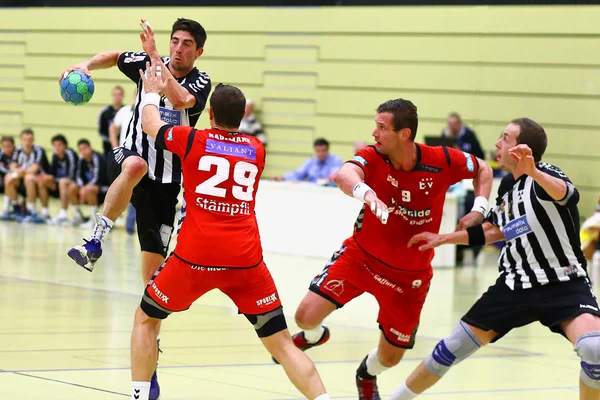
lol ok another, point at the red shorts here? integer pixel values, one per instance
(400, 294)
(177, 284)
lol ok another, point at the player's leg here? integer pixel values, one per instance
(63, 193)
(125, 169)
(91, 197)
(31, 191)
(156, 207)
(75, 200)
(255, 294)
(10, 191)
(331, 289)
(571, 309)
(45, 185)
(174, 288)
(492, 316)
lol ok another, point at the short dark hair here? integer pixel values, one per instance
(405, 115)
(321, 142)
(193, 27)
(533, 135)
(229, 105)
(119, 88)
(60, 138)
(27, 131)
(7, 139)
(83, 141)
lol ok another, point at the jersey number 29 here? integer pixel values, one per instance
(244, 174)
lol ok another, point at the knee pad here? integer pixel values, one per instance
(587, 347)
(268, 324)
(453, 349)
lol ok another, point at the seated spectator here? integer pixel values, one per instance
(28, 161)
(60, 175)
(91, 182)
(320, 169)
(465, 138)
(6, 153)
(250, 125)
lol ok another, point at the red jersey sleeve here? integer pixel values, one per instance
(176, 139)
(365, 159)
(462, 165)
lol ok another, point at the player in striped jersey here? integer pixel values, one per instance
(148, 176)
(543, 274)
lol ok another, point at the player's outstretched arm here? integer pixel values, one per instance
(350, 180)
(153, 85)
(482, 185)
(476, 235)
(104, 60)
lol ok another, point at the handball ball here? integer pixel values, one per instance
(77, 88)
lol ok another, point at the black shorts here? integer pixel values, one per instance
(155, 204)
(501, 309)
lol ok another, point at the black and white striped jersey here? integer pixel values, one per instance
(542, 234)
(163, 166)
(36, 156)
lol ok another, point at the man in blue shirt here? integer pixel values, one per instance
(320, 169)
(466, 140)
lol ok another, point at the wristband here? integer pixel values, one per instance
(480, 205)
(360, 190)
(152, 99)
(476, 235)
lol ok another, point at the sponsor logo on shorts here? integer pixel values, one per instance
(267, 300)
(360, 160)
(401, 336)
(239, 150)
(382, 281)
(162, 297)
(207, 269)
(470, 164)
(417, 283)
(242, 208)
(517, 227)
(335, 286)
(588, 306)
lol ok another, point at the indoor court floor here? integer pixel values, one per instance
(65, 333)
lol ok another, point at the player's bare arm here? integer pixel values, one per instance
(491, 234)
(350, 179)
(104, 60)
(482, 185)
(179, 96)
(555, 187)
(153, 85)
(113, 135)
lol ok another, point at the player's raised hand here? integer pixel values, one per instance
(77, 67)
(152, 78)
(378, 207)
(471, 219)
(148, 41)
(523, 155)
(432, 240)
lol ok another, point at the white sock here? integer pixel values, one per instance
(62, 213)
(374, 367)
(324, 396)
(102, 228)
(140, 390)
(6, 203)
(44, 211)
(93, 210)
(313, 335)
(31, 207)
(403, 393)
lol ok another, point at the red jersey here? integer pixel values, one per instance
(221, 171)
(415, 201)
